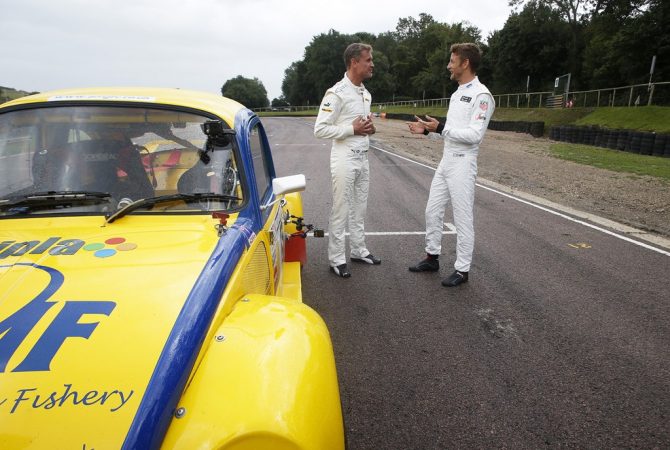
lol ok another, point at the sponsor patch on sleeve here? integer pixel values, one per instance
(484, 105)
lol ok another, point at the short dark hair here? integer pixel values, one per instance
(469, 51)
(353, 51)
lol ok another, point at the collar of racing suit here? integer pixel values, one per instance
(474, 82)
(359, 89)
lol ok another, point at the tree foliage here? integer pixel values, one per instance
(281, 101)
(623, 39)
(601, 43)
(533, 43)
(250, 92)
(409, 61)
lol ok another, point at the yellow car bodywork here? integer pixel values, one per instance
(87, 338)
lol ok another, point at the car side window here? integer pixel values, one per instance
(261, 167)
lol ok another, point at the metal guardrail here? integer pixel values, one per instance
(635, 95)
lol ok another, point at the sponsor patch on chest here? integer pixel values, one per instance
(466, 99)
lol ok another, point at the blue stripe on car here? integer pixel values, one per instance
(186, 338)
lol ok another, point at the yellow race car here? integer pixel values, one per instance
(150, 292)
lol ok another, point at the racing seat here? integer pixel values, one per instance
(213, 176)
(101, 165)
(196, 180)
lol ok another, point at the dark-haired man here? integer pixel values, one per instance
(470, 109)
(344, 116)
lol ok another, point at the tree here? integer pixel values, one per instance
(535, 42)
(382, 84)
(250, 92)
(622, 39)
(277, 102)
(433, 80)
(576, 14)
(571, 11)
(410, 55)
(324, 63)
(422, 54)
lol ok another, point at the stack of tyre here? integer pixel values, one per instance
(534, 128)
(642, 142)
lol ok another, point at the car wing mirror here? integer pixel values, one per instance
(286, 185)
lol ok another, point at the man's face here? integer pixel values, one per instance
(364, 66)
(456, 66)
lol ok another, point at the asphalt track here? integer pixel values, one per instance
(560, 339)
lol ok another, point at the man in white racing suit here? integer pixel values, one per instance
(470, 109)
(344, 116)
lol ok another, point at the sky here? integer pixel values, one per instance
(192, 44)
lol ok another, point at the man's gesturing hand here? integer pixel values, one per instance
(420, 125)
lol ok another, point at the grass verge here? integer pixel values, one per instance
(309, 112)
(615, 160)
(644, 118)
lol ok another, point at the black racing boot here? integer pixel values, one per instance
(455, 279)
(369, 259)
(341, 271)
(430, 264)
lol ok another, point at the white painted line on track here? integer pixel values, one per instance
(452, 230)
(299, 145)
(535, 205)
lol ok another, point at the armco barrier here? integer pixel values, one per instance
(536, 129)
(642, 142)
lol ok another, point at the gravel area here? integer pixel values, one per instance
(523, 164)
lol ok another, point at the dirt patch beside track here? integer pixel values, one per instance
(523, 163)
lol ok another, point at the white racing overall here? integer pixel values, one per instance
(349, 168)
(470, 109)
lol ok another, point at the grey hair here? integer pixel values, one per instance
(354, 51)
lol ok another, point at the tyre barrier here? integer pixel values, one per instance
(622, 141)
(536, 129)
(641, 142)
(405, 117)
(661, 145)
(647, 143)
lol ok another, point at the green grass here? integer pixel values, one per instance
(615, 160)
(309, 112)
(644, 118)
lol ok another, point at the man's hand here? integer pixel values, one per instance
(363, 126)
(420, 125)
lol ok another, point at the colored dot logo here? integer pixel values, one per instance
(103, 250)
